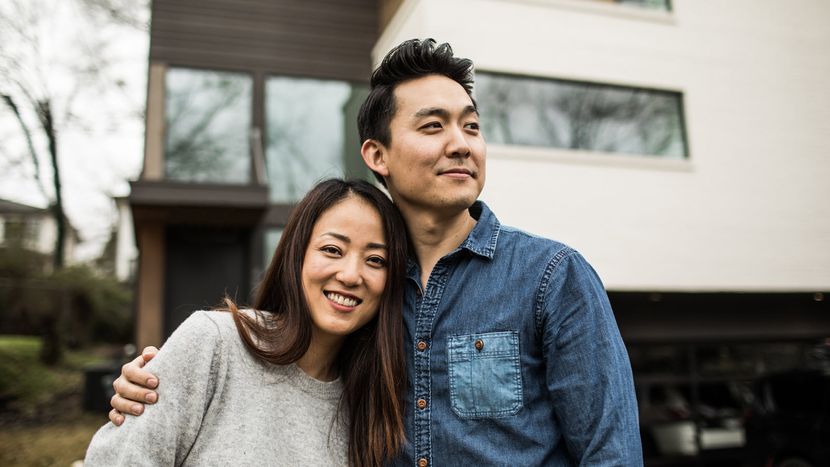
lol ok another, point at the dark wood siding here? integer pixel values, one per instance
(314, 38)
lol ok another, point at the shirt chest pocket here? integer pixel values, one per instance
(485, 374)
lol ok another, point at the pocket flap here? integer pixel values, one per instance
(484, 345)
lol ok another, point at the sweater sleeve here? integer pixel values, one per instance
(188, 367)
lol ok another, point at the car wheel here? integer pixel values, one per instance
(793, 462)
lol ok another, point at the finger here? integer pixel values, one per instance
(133, 392)
(116, 418)
(133, 373)
(148, 353)
(126, 406)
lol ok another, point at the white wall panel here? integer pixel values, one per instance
(750, 209)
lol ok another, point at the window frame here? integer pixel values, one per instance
(252, 177)
(590, 156)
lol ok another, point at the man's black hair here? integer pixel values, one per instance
(411, 59)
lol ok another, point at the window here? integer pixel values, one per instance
(653, 4)
(31, 230)
(269, 244)
(208, 121)
(311, 133)
(581, 116)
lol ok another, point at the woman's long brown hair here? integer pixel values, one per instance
(371, 360)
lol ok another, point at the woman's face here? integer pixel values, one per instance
(344, 269)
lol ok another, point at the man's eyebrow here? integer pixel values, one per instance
(432, 112)
(345, 239)
(470, 109)
(444, 113)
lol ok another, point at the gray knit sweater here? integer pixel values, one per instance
(220, 405)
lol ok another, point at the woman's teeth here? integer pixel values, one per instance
(341, 300)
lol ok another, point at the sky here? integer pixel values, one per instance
(100, 120)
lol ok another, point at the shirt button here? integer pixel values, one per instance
(423, 462)
(422, 345)
(422, 404)
(479, 344)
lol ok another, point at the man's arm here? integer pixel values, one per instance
(134, 388)
(588, 372)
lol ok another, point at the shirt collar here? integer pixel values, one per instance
(482, 239)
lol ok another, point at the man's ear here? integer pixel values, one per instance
(374, 156)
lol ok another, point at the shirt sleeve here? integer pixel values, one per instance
(188, 367)
(588, 371)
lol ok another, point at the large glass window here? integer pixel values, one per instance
(208, 121)
(269, 244)
(655, 4)
(576, 115)
(311, 133)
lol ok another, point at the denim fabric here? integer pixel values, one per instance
(485, 375)
(514, 358)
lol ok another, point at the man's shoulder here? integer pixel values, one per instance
(512, 237)
(517, 249)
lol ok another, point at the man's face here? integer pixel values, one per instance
(436, 156)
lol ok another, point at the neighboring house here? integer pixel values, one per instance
(681, 148)
(126, 253)
(34, 229)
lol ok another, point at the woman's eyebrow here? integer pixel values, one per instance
(345, 239)
(338, 236)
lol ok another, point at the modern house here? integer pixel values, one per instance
(248, 105)
(681, 148)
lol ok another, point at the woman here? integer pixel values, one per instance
(312, 377)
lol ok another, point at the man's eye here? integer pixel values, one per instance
(473, 126)
(432, 125)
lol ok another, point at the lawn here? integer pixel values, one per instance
(54, 444)
(41, 419)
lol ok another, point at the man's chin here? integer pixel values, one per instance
(458, 204)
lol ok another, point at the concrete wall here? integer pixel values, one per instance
(748, 211)
(126, 252)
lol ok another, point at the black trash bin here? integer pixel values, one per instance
(98, 386)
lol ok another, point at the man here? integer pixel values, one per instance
(513, 353)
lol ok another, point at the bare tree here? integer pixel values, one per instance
(44, 67)
(52, 52)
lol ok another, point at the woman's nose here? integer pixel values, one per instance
(349, 273)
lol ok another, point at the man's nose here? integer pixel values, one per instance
(458, 145)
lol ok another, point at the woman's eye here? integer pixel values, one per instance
(377, 261)
(332, 250)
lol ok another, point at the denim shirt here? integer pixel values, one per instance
(514, 358)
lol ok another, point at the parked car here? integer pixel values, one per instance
(789, 423)
(672, 424)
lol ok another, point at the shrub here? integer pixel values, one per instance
(75, 305)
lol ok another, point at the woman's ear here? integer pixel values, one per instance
(374, 156)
